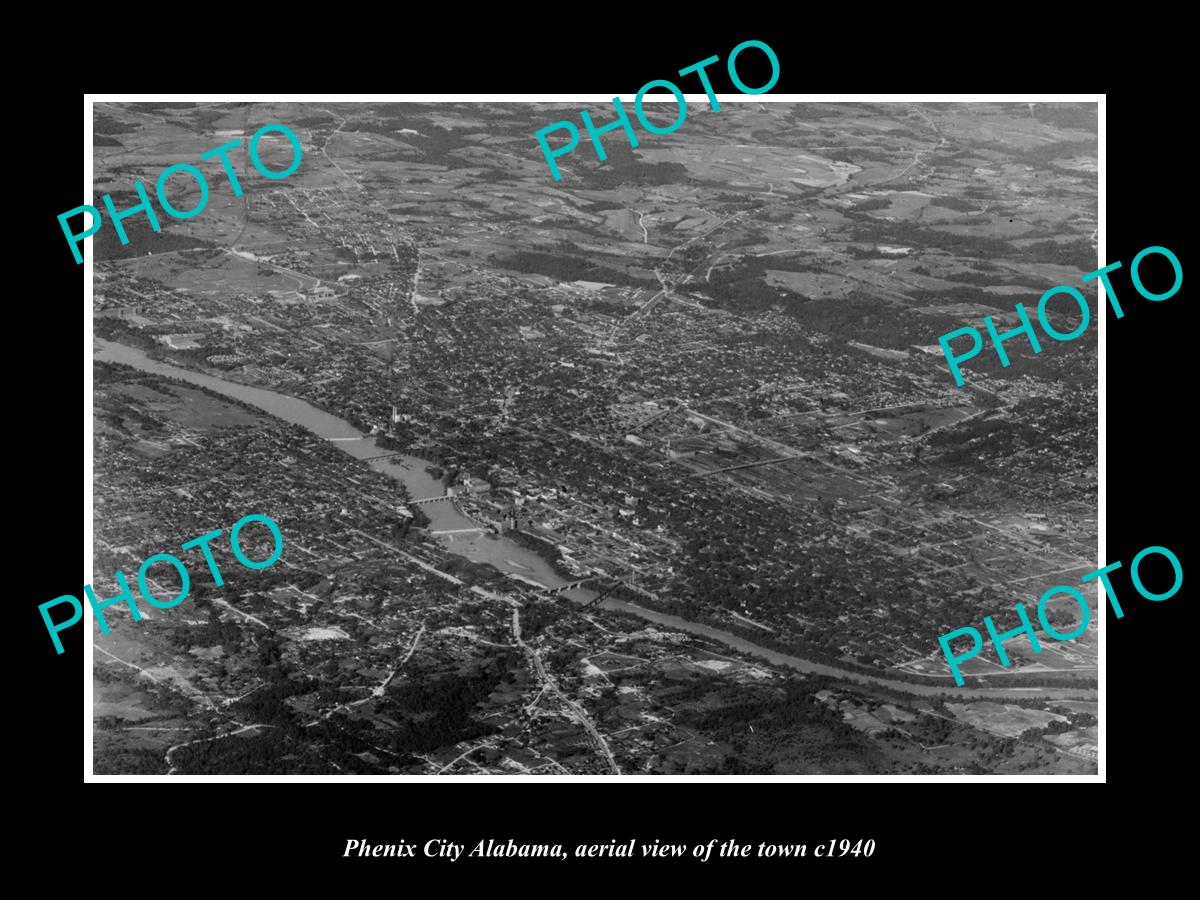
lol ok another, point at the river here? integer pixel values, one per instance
(480, 546)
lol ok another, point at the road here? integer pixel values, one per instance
(205, 740)
(244, 615)
(378, 692)
(258, 261)
(750, 465)
(549, 685)
(325, 146)
(193, 694)
(917, 161)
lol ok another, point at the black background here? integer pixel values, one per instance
(934, 835)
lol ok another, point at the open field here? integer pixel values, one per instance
(702, 374)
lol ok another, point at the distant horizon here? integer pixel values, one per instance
(698, 373)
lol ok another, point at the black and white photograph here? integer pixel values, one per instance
(491, 436)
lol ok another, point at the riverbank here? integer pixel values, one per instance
(464, 537)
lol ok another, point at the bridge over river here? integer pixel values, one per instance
(459, 535)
